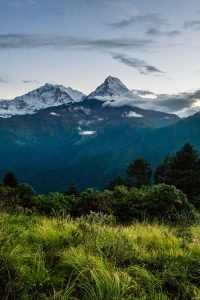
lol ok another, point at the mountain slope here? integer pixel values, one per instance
(72, 135)
(48, 95)
(112, 86)
(56, 135)
(108, 155)
(170, 139)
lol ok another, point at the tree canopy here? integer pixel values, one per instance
(181, 170)
(139, 172)
(10, 180)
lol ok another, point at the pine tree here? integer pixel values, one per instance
(182, 171)
(139, 173)
(164, 172)
(117, 181)
(10, 180)
(72, 190)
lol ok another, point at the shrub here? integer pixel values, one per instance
(25, 193)
(165, 202)
(54, 203)
(124, 203)
(196, 202)
(94, 201)
(9, 198)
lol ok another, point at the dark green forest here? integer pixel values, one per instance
(170, 193)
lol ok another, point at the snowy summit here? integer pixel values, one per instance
(112, 86)
(49, 95)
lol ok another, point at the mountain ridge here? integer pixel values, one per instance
(48, 147)
(112, 92)
(48, 95)
(112, 86)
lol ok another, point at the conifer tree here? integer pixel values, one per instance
(10, 180)
(72, 190)
(117, 181)
(181, 170)
(139, 173)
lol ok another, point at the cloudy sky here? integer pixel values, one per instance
(150, 45)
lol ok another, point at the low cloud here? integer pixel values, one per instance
(30, 41)
(183, 104)
(142, 66)
(143, 92)
(148, 19)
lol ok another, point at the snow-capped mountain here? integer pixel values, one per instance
(49, 95)
(111, 93)
(114, 93)
(59, 131)
(111, 87)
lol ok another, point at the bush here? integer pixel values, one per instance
(13, 198)
(9, 198)
(25, 193)
(196, 202)
(124, 203)
(54, 203)
(165, 202)
(94, 201)
(160, 202)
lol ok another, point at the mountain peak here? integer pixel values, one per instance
(48, 95)
(50, 86)
(75, 95)
(111, 79)
(47, 84)
(111, 87)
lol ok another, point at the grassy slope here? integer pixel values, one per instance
(43, 258)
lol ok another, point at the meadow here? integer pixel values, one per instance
(94, 258)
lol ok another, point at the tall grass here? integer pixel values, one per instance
(61, 259)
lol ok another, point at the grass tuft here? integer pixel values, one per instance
(61, 259)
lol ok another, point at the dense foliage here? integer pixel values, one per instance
(127, 199)
(160, 202)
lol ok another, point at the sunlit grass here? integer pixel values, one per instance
(61, 259)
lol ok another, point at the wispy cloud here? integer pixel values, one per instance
(17, 3)
(30, 81)
(148, 19)
(153, 32)
(194, 24)
(142, 66)
(29, 41)
(144, 93)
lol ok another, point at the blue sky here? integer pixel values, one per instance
(150, 45)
